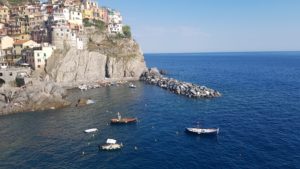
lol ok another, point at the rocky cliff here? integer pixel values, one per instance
(37, 95)
(106, 58)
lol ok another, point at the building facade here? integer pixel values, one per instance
(64, 35)
(4, 14)
(37, 57)
(20, 45)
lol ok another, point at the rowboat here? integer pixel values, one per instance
(93, 130)
(132, 85)
(111, 144)
(203, 131)
(121, 120)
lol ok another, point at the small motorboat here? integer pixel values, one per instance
(203, 131)
(111, 144)
(121, 120)
(132, 85)
(90, 101)
(93, 130)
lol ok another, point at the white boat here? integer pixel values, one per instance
(89, 101)
(132, 85)
(111, 144)
(93, 130)
(203, 131)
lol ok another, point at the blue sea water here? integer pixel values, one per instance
(258, 116)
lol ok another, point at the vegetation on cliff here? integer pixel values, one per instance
(100, 25)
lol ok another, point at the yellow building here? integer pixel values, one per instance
(87, 14)
(4, 14)
(19, 45)
(21, 37)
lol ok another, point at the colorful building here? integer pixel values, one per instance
(65, 35)
(89, 4)
(87, 14)
(75, 17)
(6, 42)
(21, 37)
(20, 45)
(6, 45)
(4, 14)
(3, 29)
(37, 57)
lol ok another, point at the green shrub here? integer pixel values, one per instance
(127, 31)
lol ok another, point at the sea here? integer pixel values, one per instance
(258, 116)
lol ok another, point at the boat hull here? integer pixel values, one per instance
(123, 121)
(110, 147)
(93, 130)
(199, 131)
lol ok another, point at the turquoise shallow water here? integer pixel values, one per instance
(258, 117)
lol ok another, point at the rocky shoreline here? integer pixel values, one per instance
(154, 77)
(32, 97)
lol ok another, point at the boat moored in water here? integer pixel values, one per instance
(203, 131)
(121, 120)
(111, 144)
(132, 85)
(93, 130)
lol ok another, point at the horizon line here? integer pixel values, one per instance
(280, 51)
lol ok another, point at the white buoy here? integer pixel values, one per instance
(83, 153)
(135, 147)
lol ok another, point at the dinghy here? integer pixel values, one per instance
(93, 130)
(203, 131)
(121, 120)
(111, 144)
(132, 85)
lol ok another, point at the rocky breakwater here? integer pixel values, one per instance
(154, 77)
(32, 97)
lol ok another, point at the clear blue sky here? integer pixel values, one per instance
(212, 25)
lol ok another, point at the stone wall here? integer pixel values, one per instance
(63, 37)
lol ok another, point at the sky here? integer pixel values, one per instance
(170, 26)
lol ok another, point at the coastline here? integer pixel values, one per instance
(47, 95)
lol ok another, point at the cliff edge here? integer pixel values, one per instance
(104, 58)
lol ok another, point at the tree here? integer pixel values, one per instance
(127, 31)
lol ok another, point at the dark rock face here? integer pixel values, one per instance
(182, 88)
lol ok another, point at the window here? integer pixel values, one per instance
(10, 74)
(45, 54)
(38, 54)
(1, 74)
(39, 66)
(39, 60)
